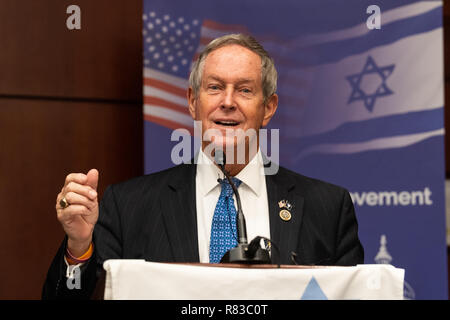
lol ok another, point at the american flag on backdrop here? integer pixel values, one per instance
(171, 44)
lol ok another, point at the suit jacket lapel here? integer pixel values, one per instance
(284, 234)
(179, 213)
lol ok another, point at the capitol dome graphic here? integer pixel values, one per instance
(383, 257)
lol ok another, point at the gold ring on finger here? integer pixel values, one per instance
(64, 203)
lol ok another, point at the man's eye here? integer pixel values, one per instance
(214, 87)
(246, 90)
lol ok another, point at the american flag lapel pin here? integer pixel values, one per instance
(285, 207)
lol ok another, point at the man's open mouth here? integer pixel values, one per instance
(228, 123)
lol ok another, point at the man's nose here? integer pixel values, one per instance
(228, 99)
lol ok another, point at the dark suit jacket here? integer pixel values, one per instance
(153, 217)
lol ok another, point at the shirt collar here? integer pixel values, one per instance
(251, 176)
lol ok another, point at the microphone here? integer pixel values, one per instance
(243, 252)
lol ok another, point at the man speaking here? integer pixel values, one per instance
(187, 213)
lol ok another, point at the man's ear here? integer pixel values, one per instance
(270, 108)
(192, 102)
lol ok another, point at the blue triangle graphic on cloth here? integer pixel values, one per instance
(313, 291)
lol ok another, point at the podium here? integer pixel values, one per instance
(142, 280)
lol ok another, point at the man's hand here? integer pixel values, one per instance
(80, 216)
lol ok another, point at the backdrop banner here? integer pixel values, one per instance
(361, 98)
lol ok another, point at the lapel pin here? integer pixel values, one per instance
(285, 215)
(285, 204)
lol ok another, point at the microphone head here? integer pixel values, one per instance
(219, 157)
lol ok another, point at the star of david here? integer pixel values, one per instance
(382, 90)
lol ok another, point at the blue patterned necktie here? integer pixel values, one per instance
(223, 228)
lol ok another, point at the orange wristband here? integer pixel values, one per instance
(85, 257)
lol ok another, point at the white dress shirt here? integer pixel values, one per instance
(252, 191)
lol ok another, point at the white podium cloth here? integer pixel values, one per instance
(138, 279)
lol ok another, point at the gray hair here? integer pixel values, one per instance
(268, 71)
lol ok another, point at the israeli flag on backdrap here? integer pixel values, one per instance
(371, 89)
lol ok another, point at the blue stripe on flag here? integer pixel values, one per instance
(390, 126)
(337, 50)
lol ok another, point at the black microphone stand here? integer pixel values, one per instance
(243, 253)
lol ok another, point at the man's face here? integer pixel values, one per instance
(231, 94)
